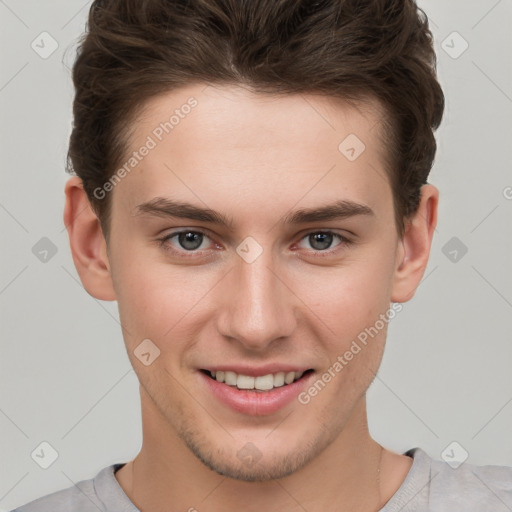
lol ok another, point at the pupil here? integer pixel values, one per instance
(190, 240)
(320, 241)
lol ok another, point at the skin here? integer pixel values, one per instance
(254, 158)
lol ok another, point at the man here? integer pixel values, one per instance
(252, 190)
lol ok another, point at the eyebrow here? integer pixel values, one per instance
(165, 207)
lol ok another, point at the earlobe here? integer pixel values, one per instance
(412, 256)
(88, 246)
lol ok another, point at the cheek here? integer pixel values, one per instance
(348, 298)
(156, 299)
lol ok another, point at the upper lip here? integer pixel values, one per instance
(257, 371)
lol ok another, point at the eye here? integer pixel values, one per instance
(186, 241)
(189, 243)
(322, 240)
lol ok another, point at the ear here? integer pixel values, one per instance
(88, 246)
(414, 248)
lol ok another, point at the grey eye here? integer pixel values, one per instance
(190, 240)
(320, 241)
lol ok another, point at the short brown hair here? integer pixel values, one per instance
(134, 50)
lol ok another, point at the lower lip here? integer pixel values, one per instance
(256, 403)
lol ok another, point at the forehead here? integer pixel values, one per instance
(229, 144)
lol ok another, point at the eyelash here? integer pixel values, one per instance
(344, 242)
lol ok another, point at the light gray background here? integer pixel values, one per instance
(65, 375)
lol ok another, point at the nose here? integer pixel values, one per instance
(257, 305)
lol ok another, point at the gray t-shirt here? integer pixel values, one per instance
(430, 485)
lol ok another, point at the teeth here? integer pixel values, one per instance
(244, 382)
(288, 378)
(230, 378)
(262, 383)
(279, 379)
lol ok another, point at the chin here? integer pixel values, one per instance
(251, 464)
(261, 471)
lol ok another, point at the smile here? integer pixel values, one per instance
(260, 383)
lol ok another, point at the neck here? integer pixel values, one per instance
(347, 475)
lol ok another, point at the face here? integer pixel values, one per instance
(288, 270)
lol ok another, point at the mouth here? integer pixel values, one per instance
(257, 384)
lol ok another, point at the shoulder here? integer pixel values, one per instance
(80, 497)
(468, 487)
